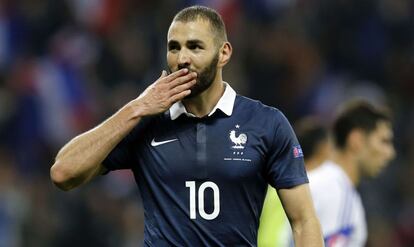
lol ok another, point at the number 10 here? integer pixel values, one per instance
(201, 211)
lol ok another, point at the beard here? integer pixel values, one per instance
(204, 78)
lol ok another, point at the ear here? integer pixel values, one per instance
(356, 140)
(225, 54)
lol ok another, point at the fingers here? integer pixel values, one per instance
(177, 77)
(180, 96)
(163, 74)
(176, 74)
(182, 79)
(183, 87)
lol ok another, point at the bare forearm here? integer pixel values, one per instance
(80, 159)
(299, 209)
(307, 233)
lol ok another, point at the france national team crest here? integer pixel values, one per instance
(297, 151)
(239, 140)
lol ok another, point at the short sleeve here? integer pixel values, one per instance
(126, 152)
(285, 164)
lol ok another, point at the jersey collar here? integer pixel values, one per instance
(225, 104)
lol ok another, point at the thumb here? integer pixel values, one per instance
(163, 74)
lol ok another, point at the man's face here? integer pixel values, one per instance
(191, 45)
(378, 150)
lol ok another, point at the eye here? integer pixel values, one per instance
(173, 47)
(194, 47)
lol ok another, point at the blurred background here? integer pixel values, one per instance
(67, 65)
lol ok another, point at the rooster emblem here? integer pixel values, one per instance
(239, 141)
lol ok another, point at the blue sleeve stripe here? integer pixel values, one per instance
(342, 233)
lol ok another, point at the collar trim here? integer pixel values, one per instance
(225, 104)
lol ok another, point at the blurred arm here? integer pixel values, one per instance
(297, 203)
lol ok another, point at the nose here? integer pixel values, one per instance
(184, 60)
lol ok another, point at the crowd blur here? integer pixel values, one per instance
(67, 65)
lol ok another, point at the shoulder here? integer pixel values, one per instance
(328, 177)
(253, 104)
(270, 119)
(258, 110)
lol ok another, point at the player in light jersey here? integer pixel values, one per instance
(363, 146)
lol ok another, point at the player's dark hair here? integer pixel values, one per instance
(310, 133)
(205, 13)
(357, 115)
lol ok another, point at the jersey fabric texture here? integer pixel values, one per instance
(203, 180)
(338, 206)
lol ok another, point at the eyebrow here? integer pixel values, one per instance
(195, 42)
(172, 42)
(189, 42)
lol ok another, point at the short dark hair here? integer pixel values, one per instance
(310, 133)
(357, 115)
(205, 13)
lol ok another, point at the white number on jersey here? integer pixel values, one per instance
(201, 189)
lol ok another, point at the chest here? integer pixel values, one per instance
(220, 150)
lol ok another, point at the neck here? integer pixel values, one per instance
(348, 163)
(203, 104)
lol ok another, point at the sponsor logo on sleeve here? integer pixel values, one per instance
(297, 151)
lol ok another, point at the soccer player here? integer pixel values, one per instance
(316, 146)
(363, 146)
(202, 156)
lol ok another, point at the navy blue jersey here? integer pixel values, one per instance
(203, 180)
